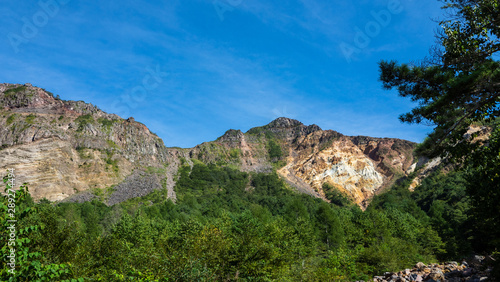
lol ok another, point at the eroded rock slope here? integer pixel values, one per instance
(308, 157)
(65, 147)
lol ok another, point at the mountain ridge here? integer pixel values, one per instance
(75, 147)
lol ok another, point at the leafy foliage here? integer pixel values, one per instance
(11, 119)
(275, 152)
(14, 91)
(83, 120)
(30, 119)
(461, 84)
(457, 88)
(484, 175)
(22, 247)
(335, 196)
(226, 225)
(440, 202)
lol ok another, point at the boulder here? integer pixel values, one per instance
(420, 266)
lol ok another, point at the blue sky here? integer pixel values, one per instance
(190, 70)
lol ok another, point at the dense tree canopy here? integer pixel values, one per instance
(231, 225)
(226, 225)
(457, 88)
(460, 83)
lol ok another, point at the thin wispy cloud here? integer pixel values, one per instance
(263, 60)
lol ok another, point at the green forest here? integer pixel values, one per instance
(230, 225)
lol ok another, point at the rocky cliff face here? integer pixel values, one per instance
(65, 147)
(310, 157)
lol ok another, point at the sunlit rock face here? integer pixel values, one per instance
(357, 166)
(348, 170)
(64, 147)
(354, 169)
(61, 147)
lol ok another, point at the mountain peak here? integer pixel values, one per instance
(15, 96)
(284, 122)
(285, 128)
(78, 139)
(26, 98)
(231, 135)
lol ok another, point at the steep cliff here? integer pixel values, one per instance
(308, 157)
(64, 147)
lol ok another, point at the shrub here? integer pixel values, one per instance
(11, 119)
(83, 120)
(14, 91)
(274, 150)
(30, 119)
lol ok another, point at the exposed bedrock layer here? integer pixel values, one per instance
(64, 147)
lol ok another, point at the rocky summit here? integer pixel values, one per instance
(312, 159)
(62, 148)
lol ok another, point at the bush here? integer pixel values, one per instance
(11, 119)
(30, 119)
(335, 196)
(83, 120)
(14, 91)
(274, 150)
